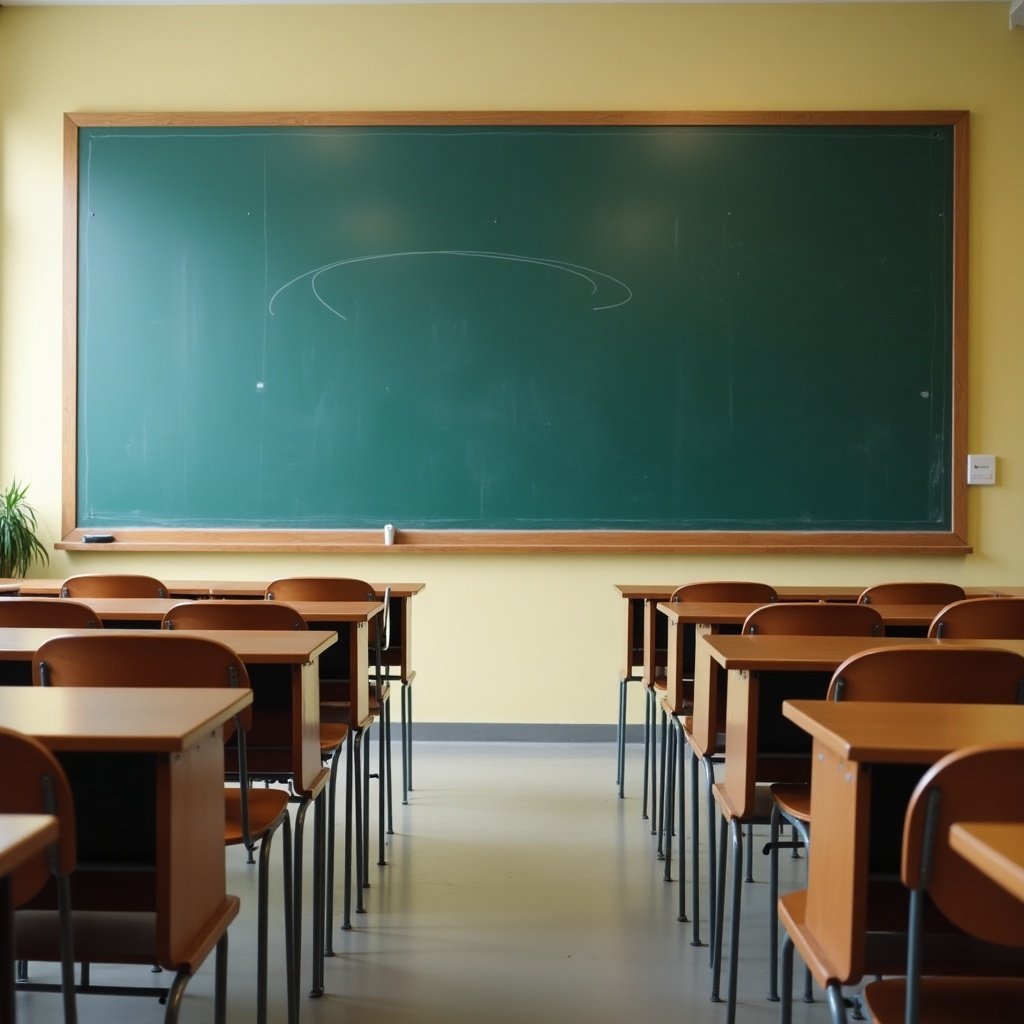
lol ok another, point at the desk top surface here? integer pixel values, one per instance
(155, 720)
(817, 653)
(996, 848)
(187, 588)
(153, 609)
(810, 592)
(898, 733)
(23, 836)
(264, 646)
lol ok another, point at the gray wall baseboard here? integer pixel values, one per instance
(489, 732)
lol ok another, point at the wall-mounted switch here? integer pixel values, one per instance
(981, 469)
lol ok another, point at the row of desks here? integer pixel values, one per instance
(644, 630)
(174, 737)
(852, 744)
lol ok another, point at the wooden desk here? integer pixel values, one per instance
(866, 760)
(22, 836)
(297, 652)
(155, 759)
(397, 659)
(996, 848)
(784, 653)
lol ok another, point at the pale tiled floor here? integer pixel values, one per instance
(519, 888)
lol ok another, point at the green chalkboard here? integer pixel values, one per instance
(606, 326)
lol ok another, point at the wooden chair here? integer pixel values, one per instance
(33, 782)
(706, 591)
(815, 618)
(158, 659)
(948, 675)
(47, 611)
(248, 614)
(334, 699)
(27, 612)
(985, 618)
(979, 784)
(911, 593)
(797, 618)
(112, 585)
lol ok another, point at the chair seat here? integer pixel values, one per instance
(265, 809)
(949, 1000)
(793, 799)
(332, 735)
(119, 937)
(762, 804)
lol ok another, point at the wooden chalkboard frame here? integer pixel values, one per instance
(953, 541)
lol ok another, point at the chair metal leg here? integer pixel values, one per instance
(359, 822)
(620, 739)
(176, 992)
(660, 826)
(319, 853)
(351, 764)
(654, 775)
(647, 755)
(717, 928)
(668, 802)
(67, 952)
(680, 785)
(386, 767)
(407, 690)
(694, 850)
(773, 906)
(382, 784)
(220, 981)
(365, 866)
(300, 821)
(750, 853)
(786, 981)
(734, 921)
(709, 782)
(332, 789)
(836, 1003)
(404, 689)
(290, 952)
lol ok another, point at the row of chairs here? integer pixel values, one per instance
(253, 815)
(999, 617)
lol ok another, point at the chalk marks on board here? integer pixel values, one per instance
(607, 292)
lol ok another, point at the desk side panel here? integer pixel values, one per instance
(190, 846)
(837, 870)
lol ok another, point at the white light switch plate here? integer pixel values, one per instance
(981, 469)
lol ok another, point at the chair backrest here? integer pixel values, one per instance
(320, 588)
(33, 782)
(335, 588)
(233, 615)
(725, 591)
(145, 658)
(112, 585)
(976, 784)
(985, 618)
(815, 618)
(47, 611)
(911, 593)
(939, 675)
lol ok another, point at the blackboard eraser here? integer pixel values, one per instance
(98, 538)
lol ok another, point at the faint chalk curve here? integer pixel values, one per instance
(595, 278)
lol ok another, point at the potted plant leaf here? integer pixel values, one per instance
(19, 545)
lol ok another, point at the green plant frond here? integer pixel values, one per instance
(19, 545)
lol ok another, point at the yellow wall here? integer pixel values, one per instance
(516, 638)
